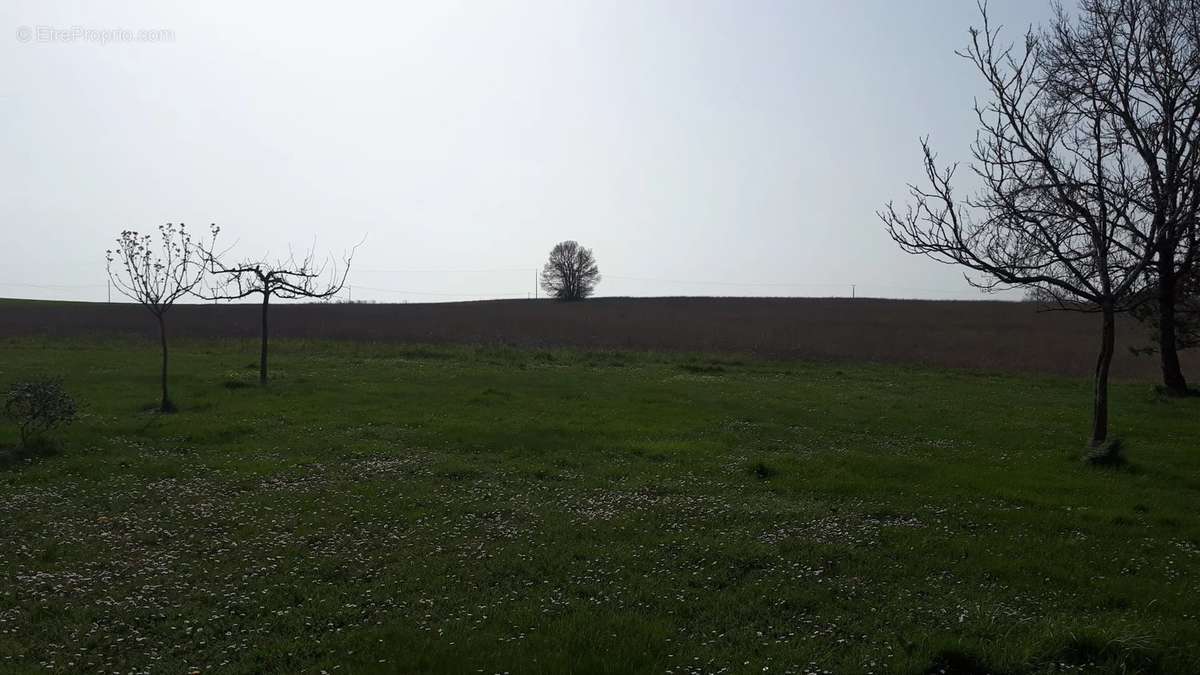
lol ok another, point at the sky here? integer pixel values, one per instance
(739, 147)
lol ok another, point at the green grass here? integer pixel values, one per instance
(413, 509)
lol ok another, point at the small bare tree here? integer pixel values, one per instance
(285, 279)
(571, 272)
(1064, 204)
(156, 276)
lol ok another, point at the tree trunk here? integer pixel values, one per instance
(262, 358)
(1173, 380)
(165, 405)
(1100, 397)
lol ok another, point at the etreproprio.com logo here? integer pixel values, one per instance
(91, 35)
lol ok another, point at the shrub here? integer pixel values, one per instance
(763, 471)
(1107, 454)
(37, 406)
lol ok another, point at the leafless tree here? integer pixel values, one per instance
(571, 272)
(1065, 204)
(1185, 321)
(1138, 62)
(157, 275)
(286, 279)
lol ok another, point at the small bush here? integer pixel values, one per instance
(37, 406)
(1165, 393)
(763, 471)
(1107, 454)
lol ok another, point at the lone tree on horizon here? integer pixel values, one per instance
(285, 279)
(157, 277)
(1065, 203)
(571, 272)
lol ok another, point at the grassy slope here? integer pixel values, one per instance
(456, 509)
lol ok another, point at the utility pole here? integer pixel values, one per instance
(535, 288)
(110, 291)
(853, 291)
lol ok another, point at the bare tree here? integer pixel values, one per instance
(157, 275)
(1138, 63)
(285, 279)
(1185, 322)
(571, 272)
(1064, 203)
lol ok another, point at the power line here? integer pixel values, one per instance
(497, 269)
(721, 283)
(924, 290)
(823, 284)
(53, 286)
(658, 280)
(429, 293)
(852, 287)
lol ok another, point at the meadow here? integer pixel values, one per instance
(400, 508)
(1003, 336)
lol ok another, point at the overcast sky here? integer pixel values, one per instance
(743, 144)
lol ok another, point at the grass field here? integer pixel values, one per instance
(1004, 336)
(469, 509)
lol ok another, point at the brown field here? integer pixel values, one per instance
(1004, 336)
